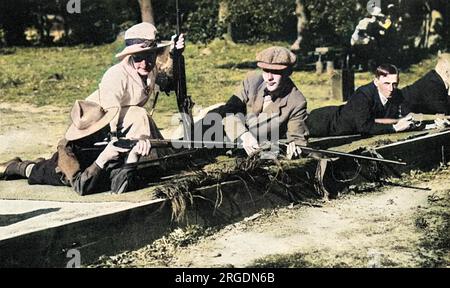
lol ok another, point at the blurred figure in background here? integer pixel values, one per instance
(369, 41)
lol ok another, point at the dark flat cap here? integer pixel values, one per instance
(275, 58)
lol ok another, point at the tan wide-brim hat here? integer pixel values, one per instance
(87, 118)
(139, 48)
(141, 38)
(276, 58)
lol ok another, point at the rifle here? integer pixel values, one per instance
(184, 101)
(355, 156)
(129, 143)
(175, 143)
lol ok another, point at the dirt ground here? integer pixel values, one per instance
(29, 131)
(394, 227)
(386, 227)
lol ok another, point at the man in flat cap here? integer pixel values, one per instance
(78, 163)
(268, 103)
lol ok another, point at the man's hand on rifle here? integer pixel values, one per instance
(404, 123)
(441, 123)
(111, 152)
(293, 151)
(142, 148)
(179, 45)
(249, 143)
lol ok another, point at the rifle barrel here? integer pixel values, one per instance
(155, 143)
(128, 144)
(337, 153)
(184, 102)
(178, 17)
(194, 144)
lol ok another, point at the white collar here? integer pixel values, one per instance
(383, 98)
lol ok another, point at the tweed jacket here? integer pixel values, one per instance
(287, 113)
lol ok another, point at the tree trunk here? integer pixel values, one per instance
(146, 11)
(302, 21)
(224, 13)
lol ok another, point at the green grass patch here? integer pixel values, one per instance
(53, 76)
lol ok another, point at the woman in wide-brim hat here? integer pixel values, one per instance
(145, 65)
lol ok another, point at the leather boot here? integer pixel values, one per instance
(14, 169)
(4, 166)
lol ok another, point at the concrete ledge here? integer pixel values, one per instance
(104, 230)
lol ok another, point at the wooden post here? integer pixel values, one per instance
(147, 11)
(348, 78)
(330, 68)
(335, 85)
(319, 65)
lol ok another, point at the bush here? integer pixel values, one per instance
(199, 19)
(332, 23)
(97, 23)
(255, 20)
(202, 23)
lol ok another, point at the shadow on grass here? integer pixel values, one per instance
(244, 65)
(7, 51)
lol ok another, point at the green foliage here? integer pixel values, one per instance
(332, 22)
(96, 24)
(14, 17)
(199, 19)
(264, 20)
(202, 24)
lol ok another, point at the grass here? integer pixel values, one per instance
(58, 76)
(30, 75)
(158, 254)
